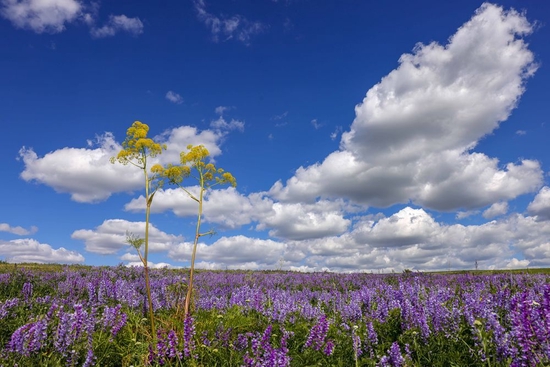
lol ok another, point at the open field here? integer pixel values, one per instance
(54, 315)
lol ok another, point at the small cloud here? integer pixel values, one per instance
(222, 124)
(336, 132)
(117, 23)
(462, 215)
(495, 210)
(316, 124)
(234, 27)
(174, 97)
(521, 132)
(288, 25)
(517, 264)
(270, 136)
(20, 231)
(221, 109)
(280, 117)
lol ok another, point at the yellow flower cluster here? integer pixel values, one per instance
(138, 146)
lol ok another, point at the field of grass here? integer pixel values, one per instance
(56, 315)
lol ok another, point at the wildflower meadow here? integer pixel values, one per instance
(97, 316)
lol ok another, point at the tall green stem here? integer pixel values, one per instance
(197, 236)
(146, 253)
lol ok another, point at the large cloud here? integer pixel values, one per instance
(48, 16)
(29, 250)
(414, 132)
(110, 237)
(85, 173)
(89, 176)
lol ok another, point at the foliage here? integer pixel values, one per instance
(94, 316)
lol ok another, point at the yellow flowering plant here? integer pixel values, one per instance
(136, 149)
(193, 163)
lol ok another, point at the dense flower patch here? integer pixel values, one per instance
(98, 316)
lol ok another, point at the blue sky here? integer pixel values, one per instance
(364, 136)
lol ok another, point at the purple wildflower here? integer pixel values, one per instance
(264, 354)
(329, 348)
(28, 338)
(317, 334)
(188, 337)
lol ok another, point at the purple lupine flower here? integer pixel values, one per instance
(384, 362)
(27, 291)
(242, 341)
(29, 338)
(264, 354)
(6, 306)
(113, 319)
(371, 339)
(167, 347)
(524, 331)
(396, 359)
(329, 348)
(188, 337)
(204, 339)
(317, 334)
(356, 339)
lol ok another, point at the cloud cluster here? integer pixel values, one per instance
(233, 27)
(411, 238)
(87, 173)
(118, 23)
(231, 209)
(32, 251)
(52, 16)
(414, 133)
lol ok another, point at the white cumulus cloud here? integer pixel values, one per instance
(32, 251)
(414, 133)
(87, 173)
